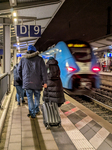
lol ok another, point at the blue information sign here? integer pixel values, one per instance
(22, 30)
(1, 51)
(35, 31)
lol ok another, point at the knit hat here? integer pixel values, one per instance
(31, 47)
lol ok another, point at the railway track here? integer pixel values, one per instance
(97, 103)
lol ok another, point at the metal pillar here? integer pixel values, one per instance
(15, 58)
(6, 49)
(1, 64)
(7, 53)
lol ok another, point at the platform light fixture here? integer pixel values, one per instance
(13, 2)
(14, 14)
(15, 20)
(95, 48)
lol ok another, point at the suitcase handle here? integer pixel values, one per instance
(48, 95)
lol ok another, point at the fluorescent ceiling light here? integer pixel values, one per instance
(14, 14)
(95, 48)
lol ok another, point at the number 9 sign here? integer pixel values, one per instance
(35, 31)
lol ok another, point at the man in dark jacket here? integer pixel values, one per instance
(18, 85)
(33, 73)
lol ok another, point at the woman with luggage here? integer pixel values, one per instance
(54, 91)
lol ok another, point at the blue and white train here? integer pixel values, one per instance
(77, 63)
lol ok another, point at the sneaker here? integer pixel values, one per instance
(23, 101)
(18, 103)
(30, 116)
(38, 113)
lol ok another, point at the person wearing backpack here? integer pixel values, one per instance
(54, 90)
(18, 85)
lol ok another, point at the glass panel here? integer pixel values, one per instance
(81, 54)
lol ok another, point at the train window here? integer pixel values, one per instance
(81, 54)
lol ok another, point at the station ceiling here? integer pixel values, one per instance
(61, 20)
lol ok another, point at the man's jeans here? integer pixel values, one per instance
(33, 105)
(20, 93)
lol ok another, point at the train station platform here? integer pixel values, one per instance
(81, 129)
(105, 73)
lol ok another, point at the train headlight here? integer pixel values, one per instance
(96, 69)
(71, 69)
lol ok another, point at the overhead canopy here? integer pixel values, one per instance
(60, 20)
(102, 44)
(29, 12)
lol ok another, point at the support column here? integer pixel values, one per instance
(106, 57)
(15, 58)
(107, 61)
(1, 64)
(6, 49)
(7, 53)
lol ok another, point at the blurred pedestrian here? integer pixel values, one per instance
(33, 73)
(54, 91)
(18, 85)
(110, 65)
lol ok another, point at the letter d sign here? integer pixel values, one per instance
(22, 30)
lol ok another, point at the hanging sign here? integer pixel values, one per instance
(22, 30)
(35, 31)
(1, 51)
(28, 31)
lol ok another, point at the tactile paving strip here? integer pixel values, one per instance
(74, 134)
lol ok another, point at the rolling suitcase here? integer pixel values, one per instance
(51, 116)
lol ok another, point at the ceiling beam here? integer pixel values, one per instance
(36, 4)
(37, 19)
(5, 7)
(5, 21)
(13, 2)
(27, 40)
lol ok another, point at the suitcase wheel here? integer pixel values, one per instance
(47, 127)
(59, 125)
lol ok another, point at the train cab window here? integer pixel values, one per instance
(81, 54)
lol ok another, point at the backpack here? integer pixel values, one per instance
(53, 71)
(16, 75)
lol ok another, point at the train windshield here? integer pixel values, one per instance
(81, 54)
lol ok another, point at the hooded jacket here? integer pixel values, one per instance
(17, 80)
(32, 71)
(54, 91)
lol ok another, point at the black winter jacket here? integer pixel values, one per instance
(32, 71)
(17, 80)
(54, 88)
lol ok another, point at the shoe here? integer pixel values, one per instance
(38, 113)
(30, 116)
(18, 103)
(23, 101)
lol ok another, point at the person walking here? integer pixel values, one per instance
(18, 85)
(110, 67)
(54, 91)
(33, 73)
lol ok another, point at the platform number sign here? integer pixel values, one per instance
(35, 31)
(28, 31)
(22, 30)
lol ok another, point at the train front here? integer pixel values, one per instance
(82, 69)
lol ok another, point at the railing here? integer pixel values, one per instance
(4, 86)
(11, 76)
